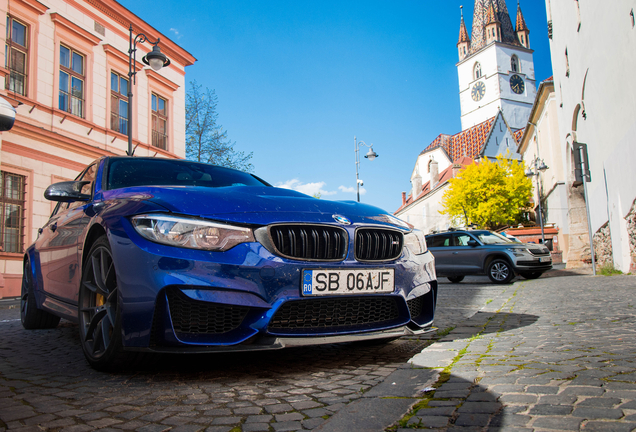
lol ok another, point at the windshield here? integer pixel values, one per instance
(487, 237)
(129, 172)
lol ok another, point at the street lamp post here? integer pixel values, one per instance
(370, 155)
(537, 166)
(155, 59)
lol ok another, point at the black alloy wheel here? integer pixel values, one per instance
(500, 271)
(100, 309)
(33, 318)
(531, 275)
(455, 279)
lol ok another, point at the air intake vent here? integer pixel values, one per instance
(377, 244)
(310, 242)
(416, 306)
(321, 315)
(198, 317)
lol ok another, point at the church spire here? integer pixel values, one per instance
(463, 45)
(480, 21)
(522, 29)
(493, 25)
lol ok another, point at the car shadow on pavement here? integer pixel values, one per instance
(459, 401)
(487, 322)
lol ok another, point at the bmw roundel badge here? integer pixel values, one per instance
(341, 219)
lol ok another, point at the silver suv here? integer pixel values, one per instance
(473, 252)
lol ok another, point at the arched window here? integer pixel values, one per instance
(514, 64)
(477, 71)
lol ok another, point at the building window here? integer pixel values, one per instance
(159, 122)
(477, 70)
(71, 81)
(118, 103)
(16, 53)
(514, 63)
(12, 203)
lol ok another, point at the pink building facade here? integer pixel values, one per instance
(65, 70)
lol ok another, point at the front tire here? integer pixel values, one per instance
(99, 312)
(455, 279)
(33, 318)
(500, 271)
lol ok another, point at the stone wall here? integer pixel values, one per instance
(631, 231)
(578, 255)
(603, 246)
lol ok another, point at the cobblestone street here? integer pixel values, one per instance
(45, 382)
(555, 353)
(550, 354)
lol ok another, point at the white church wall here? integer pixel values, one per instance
(598, 95)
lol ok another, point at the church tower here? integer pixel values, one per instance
(496, 69)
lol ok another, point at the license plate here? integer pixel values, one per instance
(545, 259)
(342, 282)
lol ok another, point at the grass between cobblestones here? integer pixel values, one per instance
(446, 374)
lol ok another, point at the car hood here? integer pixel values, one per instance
(259, 205)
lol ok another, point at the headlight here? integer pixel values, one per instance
(190, 233)
(416, 242)
(518, 252)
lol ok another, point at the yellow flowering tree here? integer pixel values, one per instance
(489, 194)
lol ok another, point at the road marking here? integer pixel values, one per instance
(6, 321)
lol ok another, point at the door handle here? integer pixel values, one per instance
(53, 227)
(455, 253)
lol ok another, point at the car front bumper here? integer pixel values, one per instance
(246, 298)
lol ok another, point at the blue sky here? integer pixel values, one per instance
(297, 80)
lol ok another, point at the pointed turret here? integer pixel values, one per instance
(479, 37)
(463, 46)
(493, 24)
(523, 33)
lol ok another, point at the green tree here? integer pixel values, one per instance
(490, 194)
(206, 141)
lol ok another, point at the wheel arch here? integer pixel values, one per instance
(96, 231)
(496, 255)
(31, 259)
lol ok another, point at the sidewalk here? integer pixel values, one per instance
(10, 303)
(556, 353)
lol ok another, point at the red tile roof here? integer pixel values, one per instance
(469, 142)
(462, 148)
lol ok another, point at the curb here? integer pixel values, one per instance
(384, 404)
(10, 303)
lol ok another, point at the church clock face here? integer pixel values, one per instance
(516, 84)
(478, 91)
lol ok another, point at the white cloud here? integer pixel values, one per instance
(176, 33)
(306, 188)
(351, 189)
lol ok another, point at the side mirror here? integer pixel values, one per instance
(67, 191)
(472, 243)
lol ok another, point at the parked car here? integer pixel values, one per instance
(459, 253)
(165, 255)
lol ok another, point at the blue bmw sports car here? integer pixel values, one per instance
(164, 255)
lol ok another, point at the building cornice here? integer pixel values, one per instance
(495, 43)
(119, 14)
(85, 35)
(546, 88)
(34, 6)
